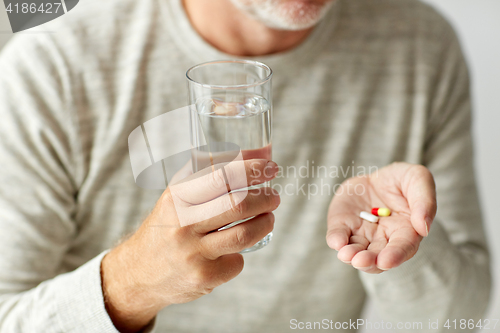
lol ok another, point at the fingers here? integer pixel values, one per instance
(184, 172)
(410, 192)
(357, 243)
(376, 254)
(400, 248)
(219, 271)
(338, 236)
(211, 183)
(343, 214)
(408, 188)
(237, 238)
(231, 207)
(366, 260)
(228, 267)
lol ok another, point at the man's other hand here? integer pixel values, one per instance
(408, 190)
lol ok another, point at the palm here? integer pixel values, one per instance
(374, 247)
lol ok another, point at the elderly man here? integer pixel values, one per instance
(357, 84)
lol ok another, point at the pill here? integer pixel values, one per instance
(369, 217)
(225, 109)
(220, 110)
(381, 211)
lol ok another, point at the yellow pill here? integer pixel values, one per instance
(384, 212)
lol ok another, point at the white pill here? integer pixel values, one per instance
(369, 217)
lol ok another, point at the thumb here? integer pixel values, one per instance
(420, 190)
(185, 171)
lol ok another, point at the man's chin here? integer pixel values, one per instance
(291, 15)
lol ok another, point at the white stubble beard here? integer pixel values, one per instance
(283, 14)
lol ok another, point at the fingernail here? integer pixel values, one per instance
(271, 165)
(271, 169)
(428, 222)
(364, 269)
(383, 269)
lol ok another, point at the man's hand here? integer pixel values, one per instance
(408, 190)
(171, 260)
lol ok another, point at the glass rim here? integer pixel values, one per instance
(232, 86)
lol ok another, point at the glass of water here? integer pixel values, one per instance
(232, 103)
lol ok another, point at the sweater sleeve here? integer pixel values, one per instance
(37, 199)
(449, 277)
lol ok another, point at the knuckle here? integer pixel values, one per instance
(216, 180)
(254, 172)
(240, 208)
(166, 198)
(185, 254)
(180, 236)
(200, 280)
(243, 236)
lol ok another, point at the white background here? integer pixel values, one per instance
(478, 25)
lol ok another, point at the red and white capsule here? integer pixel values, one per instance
(381, 211)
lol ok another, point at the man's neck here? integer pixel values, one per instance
(231, 31)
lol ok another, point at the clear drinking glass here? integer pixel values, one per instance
(233, 104)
